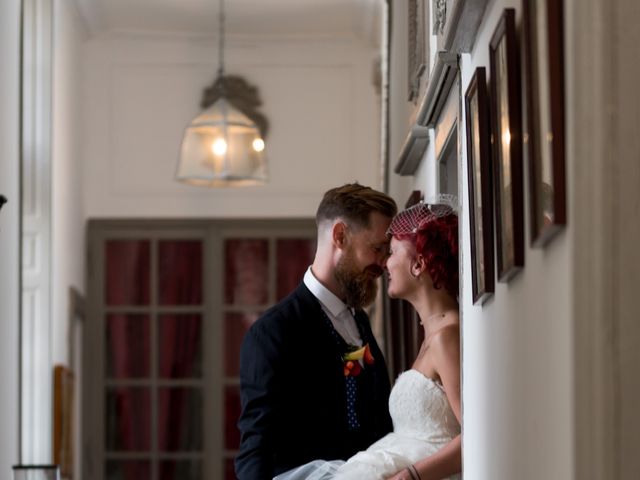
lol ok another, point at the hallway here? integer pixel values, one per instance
(407, 96)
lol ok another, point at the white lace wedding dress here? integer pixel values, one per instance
(423, 422)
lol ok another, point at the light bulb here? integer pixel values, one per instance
(506, 137)
(258, 145)
(219, 146)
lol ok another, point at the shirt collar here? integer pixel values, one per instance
(323, 294)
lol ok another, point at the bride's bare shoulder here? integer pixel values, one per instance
(446, 337)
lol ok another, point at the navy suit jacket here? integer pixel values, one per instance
(292, 390)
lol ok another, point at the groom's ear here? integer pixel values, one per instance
(339, 234)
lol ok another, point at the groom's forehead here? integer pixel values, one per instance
(373, 236)
(375, 224)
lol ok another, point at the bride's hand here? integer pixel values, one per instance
(403, 474)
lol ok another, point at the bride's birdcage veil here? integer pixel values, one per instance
(415, 218)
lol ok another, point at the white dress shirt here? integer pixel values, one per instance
(340, 315)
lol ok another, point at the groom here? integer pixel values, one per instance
(313, 382)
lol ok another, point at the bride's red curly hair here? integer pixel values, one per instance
(437, 241)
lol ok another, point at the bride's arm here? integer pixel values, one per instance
(445, 462)
(445, 351)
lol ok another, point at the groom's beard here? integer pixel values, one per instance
(359, 288)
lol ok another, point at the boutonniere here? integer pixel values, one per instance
(352, 358)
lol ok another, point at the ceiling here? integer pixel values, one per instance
(333, 18)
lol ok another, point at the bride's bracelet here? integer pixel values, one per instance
(413, 472)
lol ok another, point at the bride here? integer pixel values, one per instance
(425, 401)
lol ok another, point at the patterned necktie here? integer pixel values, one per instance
(351, 383)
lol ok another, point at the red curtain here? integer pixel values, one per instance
(293, 257)
(128, 346)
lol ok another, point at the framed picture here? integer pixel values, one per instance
(418, 14)
(507, 146)
(63, 419)
(479, 178)
(544, 136)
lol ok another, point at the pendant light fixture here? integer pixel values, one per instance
(224, 145)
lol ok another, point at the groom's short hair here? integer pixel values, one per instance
(354, 203)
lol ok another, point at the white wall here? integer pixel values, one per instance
(400, 110)
(9, 233)
(68, 237)
(627, 213)
(68, 219)
(10, 240)
(518, 346)
(141, 91)
(604, 123)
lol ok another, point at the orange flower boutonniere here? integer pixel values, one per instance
(355, 358)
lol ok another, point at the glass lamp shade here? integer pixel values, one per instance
(222, 147)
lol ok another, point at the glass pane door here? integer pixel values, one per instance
(153, 388)
(259, 271)
(168, 309)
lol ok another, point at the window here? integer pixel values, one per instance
(169, 303)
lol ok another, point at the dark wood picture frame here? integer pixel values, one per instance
(545, 145)
(417, 51)
(507, 146)
(479, 178)
(63, 421)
